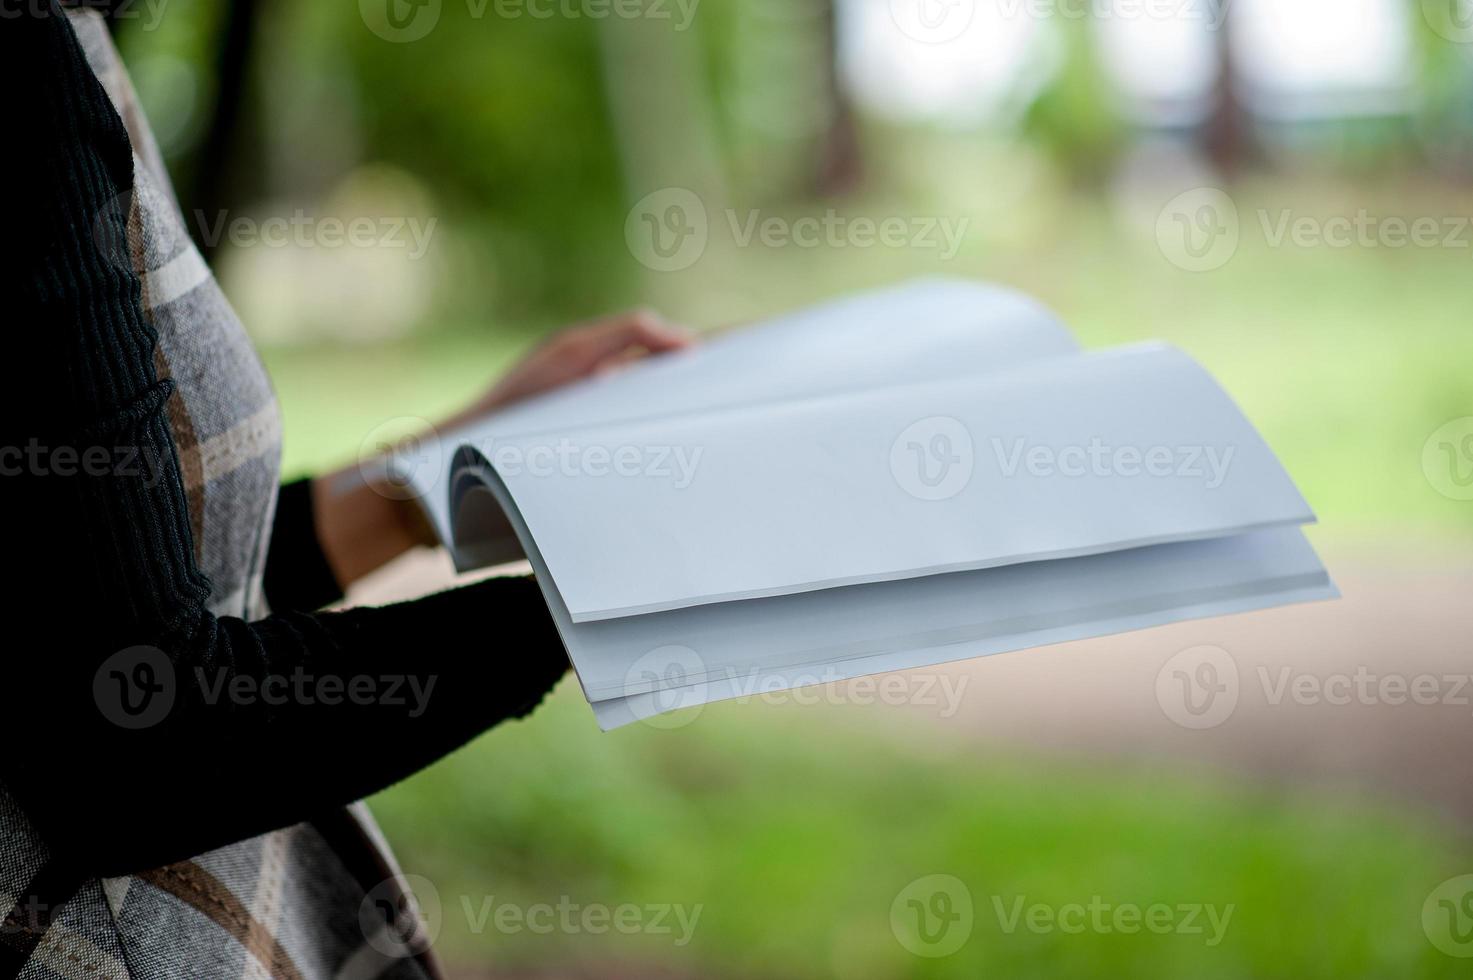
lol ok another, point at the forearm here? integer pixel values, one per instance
(362, 527)
(255, 726)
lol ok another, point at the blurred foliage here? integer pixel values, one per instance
(1316, 345)
(1075, 118)
(794, 850)
(505, 120)
(1444, 117)
(169, 59)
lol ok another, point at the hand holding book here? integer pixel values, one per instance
(361, 528)
(915, 475)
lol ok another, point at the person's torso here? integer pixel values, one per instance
(224, 417)
(289, 905)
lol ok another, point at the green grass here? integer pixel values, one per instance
(795, 838)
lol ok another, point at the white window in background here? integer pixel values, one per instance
(1325, 58)
(1295, 58)
(1164, 67)
(984, 62)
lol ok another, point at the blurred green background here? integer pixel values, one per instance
(1056, 135)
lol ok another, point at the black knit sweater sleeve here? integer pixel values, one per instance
(142, 728)
(298, 575)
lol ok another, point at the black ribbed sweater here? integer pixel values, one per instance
(100, 564)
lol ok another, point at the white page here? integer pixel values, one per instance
(918, 331)
(816, 493)
(896, 625)
(954, 617)
(813, 629)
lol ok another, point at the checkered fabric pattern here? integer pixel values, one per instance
(308, 902)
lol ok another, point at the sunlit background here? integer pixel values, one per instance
(1281, 187)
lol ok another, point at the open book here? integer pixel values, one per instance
(902, 478)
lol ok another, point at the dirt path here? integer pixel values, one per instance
(1373, 692)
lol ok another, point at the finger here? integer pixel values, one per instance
(617, 335)
(651, 331)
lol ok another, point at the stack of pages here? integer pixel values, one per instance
(912, 476)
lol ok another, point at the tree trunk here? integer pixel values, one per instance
(840, 161)
(1226, 136)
